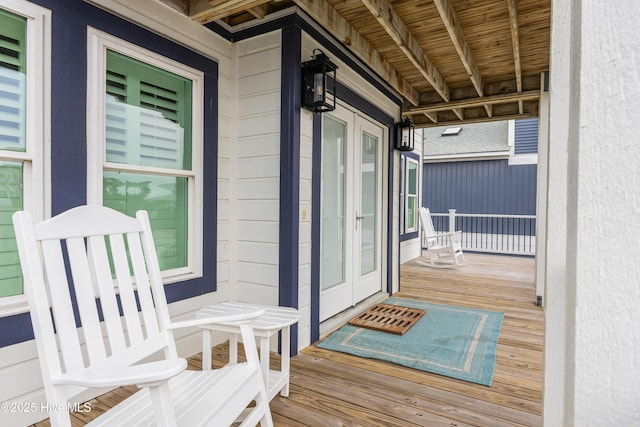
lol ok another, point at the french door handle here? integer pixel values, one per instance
(357, 219)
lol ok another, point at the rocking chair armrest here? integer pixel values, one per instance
(449, 234)
(237, 317)
(112, 376)
(444, 234)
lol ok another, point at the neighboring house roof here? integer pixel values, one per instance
(473, 140)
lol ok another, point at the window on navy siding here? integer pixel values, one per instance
(150, 152)
(24, 31)
(148, 125)
(13, 144)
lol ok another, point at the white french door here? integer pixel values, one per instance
(351, 210)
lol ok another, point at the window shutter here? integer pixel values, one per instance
(12, 82)
(148, 115)
(526, 136)
(161, 136)
(13, 138)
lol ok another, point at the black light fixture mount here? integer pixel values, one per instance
(405, 135)
(319, 83)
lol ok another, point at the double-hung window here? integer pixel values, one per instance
(409, 194)
(145, 144)
(24, 98)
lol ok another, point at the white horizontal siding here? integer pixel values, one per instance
(259, 232)
(257, 253)
(256, 185)
(304, 232)
(409, 249)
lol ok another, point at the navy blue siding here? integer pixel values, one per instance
(480, 187)
(526, 137)
(290, 173)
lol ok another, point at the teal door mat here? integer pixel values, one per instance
(453, 341)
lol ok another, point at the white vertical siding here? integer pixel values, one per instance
(256, 168)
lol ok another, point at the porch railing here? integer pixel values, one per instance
(504, 234)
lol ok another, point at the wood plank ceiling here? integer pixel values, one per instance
(452, 61)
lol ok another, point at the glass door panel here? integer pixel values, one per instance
(332, 243)
(368, 217)
(350, 211)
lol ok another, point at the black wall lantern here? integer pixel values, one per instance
(405, 135)
(319, 83)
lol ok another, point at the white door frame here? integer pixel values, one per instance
(344, 295)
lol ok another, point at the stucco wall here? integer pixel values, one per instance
(592, 343)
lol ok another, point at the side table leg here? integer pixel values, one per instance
(264, 362)
(206, 350)
(285, 346)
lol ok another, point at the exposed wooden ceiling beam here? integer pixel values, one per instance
(515, 42)
(397, 30)
(477, 120)
(258, 12)
(456, 33)
(204, 11)
(475, 102)
(432, 116)
(327, 16)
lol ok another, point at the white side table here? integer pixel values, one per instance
(273, 320)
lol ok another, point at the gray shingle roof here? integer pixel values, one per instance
(473, 138)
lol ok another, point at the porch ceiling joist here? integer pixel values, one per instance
(450, 60)
(456, 33)
(332, 21)
(204, 11)
(397, 30)
(476, 102)
(259, 12)
(400, 34)
(478, 120)
(515, 41)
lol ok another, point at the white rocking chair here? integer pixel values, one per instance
(118, 353)
(443, 249)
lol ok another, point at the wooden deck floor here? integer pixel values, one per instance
(334, 389)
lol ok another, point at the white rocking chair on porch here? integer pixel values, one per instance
(443, 249)
(135, 349)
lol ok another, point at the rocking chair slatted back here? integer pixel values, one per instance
(427, 223)
(91, 255)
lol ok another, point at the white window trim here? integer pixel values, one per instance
(406, 195)
(37, 189)
(97, 44)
